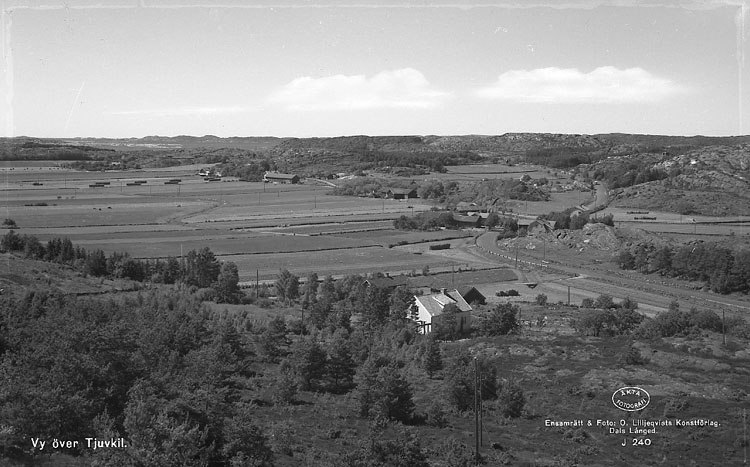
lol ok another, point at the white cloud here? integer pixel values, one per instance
(568, 85)
(406, 88)
(180, 111)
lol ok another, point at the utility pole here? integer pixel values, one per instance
(723, 329)
(257, 284)
(476, 410)
(568, 295)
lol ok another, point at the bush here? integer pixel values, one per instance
(9, 223)
(633, 356)
(705, 319)
(509, 293)
(436, 415)
(541, 299)
(511, 400)
(502, 320)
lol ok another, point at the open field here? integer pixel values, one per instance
(267, 227)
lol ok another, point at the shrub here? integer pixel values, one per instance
(511, 399)
(541, 299)
(502, 320)
(705, 319)
(633, 356)
(436, 415)
(9, 223)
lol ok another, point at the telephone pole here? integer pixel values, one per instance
(477, 397)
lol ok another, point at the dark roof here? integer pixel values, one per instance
(465, 290)
(466, 219)
(466, 206)
(388, 282)
(401, 191)
(281, 175)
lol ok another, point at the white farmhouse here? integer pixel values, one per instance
(430, 309)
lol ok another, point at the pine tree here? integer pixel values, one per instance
(432, 362)
(309, 362)
(340, 366)
(394, 395)
(227, 284)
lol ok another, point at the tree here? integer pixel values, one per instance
(308, 360)
(432, 361)
(287, 286)
(227, 284)
(245, 443)
(340, 366)
(394, 395)
(11, 241)
(201, 268)
(401, 303)
(502, 320)
(626, 260)
(405, 451)
(541, 299)
(604, 302)
(310, 294)
(492, 220)
(511, 399)
(96, 263)
(383, 392)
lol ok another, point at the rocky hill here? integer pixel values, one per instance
(713, 180)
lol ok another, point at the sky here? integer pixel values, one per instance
(133, 68)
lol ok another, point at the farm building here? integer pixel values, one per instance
(387, 282)
(541, 226)
(465, 206)
(472, 295)
(466, 221)
(401, 193)
(430, 308)
(277, 177)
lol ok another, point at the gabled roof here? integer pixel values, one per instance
(465, 219)
(465, 290)
(388, 282)
(401, 191)
(280, 175)
(466, 206)
(459, 299)
(435, 303)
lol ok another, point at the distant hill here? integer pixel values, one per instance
(710, 180)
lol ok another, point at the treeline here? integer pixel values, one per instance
(429, 220)
(198, 268)
(434, 160)
(721, 269)
(564, 157)
(622, 174)
(247, 171)
(603, 317)
(566, 220)
(488, 193)
(370, 186)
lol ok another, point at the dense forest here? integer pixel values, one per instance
(164, 380)
(199, 269)
(721, 269)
